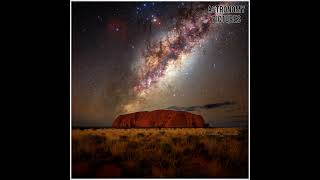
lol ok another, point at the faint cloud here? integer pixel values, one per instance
(206, 106)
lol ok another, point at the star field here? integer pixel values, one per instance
(129, 57)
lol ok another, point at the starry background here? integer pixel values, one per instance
(108, 40)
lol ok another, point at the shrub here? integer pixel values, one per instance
(199, 147)
(140, 135)
(187, 152)
(132, 145)
(123, 138)
(176, 140)
(211, 137)
(165, 147)
(95, 139)
(85, 156)
(119, 148)
(193, 139)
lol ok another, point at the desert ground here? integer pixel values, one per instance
(155, 152)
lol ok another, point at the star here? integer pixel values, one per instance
(84, 30)
(99, 18)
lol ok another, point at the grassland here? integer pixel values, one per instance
(168, 152)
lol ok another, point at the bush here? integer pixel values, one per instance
(140, 135)
(193, 139)
(164, 164)
(85, 156)
(123, 138)
(187, 152)
(165, 147)
(199, 146)
(211, 137)
(132, 145)
(176, 140)
(97, 139)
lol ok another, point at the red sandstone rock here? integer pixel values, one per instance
(158, 118)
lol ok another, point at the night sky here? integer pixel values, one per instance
(129, 57)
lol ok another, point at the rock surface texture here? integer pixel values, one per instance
(159, 118)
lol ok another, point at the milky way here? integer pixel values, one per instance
(189, 30)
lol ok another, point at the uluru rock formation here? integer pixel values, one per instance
(158, 118)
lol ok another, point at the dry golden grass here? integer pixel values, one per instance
(167, 152)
